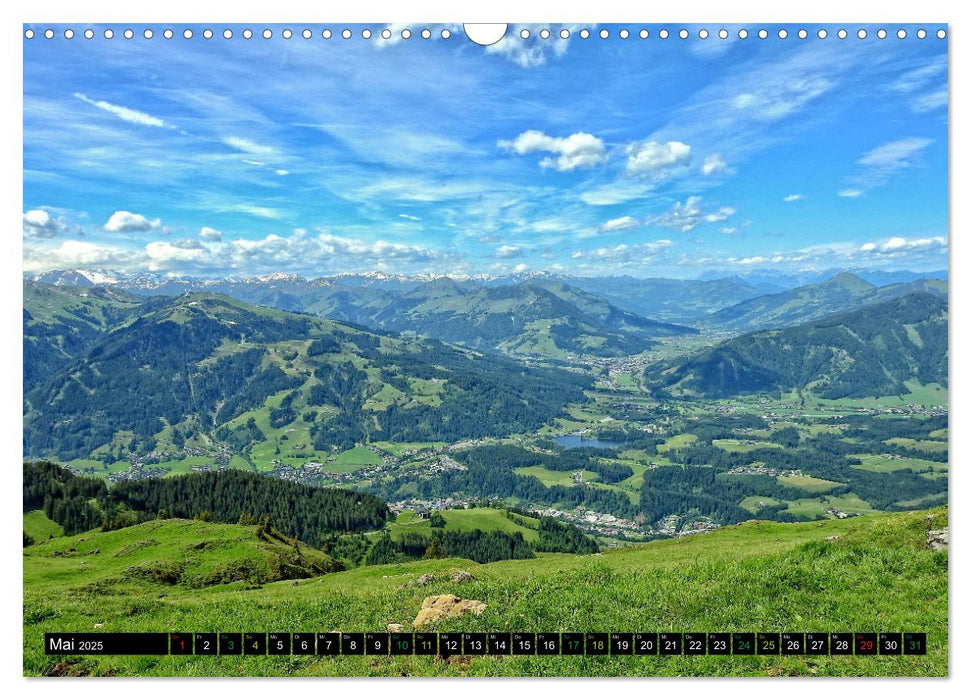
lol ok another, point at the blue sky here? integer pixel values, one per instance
(656, 157)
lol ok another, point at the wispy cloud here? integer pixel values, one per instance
(878, 165)
(127, 114)
(687, 215)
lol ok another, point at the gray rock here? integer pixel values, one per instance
(937, 540)
(461, 576)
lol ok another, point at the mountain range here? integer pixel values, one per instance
(872, 351)
(202, 368)
(841, 293)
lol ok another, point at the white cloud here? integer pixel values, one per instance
(509, 251)
(210, 234)
(624, 223)
(520, 268)
(38, 223)
(850, 192)
(409, 217)
(532, 52)
(72, 254)
(132, 116)
(688, 215)
(624, 253)
(161, 254)
(793, 197)
(714, 165)
(579, 150)
(651, 158)
(127, 222)
(281, 172)
(250, 147)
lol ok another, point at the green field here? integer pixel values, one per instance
(878, 463)
(808, 483)
(550, 477)
(358, 457)
(39, 527)
(730, 445)
(464, 520)
(813, 507)
(867, 573)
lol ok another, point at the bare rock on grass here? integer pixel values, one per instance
(436, 607)
(937, 540)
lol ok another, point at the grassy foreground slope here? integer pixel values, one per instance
(875, 575)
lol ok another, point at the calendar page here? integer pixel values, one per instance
(531, 350)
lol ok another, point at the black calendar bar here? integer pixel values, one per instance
(121, 643)
(883, 644)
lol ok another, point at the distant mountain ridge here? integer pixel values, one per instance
(537, 317)
(841, 293)
(872, 351)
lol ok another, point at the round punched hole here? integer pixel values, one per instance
(921, 34)
(722, 33)
(881, 34)
(347, 34)
(148, 34)
(109, 34)
(227, 33)
(604, 34)
(564, 33)
(822, 34)
(89, 34)
(29, 34)
(643, 34)
(663, 33)
(129, 33)
(267, 33)
(842, 34)
(941, 34)
(327, 34)
(803, 34)
(366, 34)
(783, 34)
(703, 34)
(901, 33)
(544, 33)
(247, 33)
(426, 34)
(743, 33)
(524, 34)
(446, 33)
(861, 34)
(683, 34)
(287, 34)
(385, 33)
(207, 34)
(49, 33)
(405, 33)
(187, 33)
(69, 33)
(624, 33)
(763, 34)
(306, 33)
(584, 33)
(168, 33)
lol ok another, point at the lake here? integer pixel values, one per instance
(573, 441)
